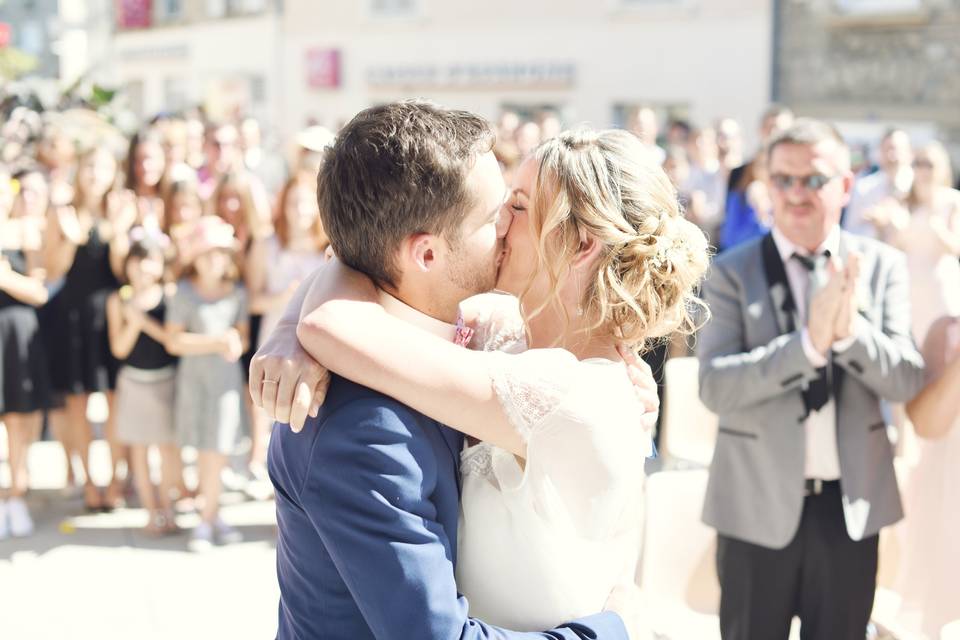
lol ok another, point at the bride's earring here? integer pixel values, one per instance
(579, 301)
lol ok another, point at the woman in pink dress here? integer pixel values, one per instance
(931, 556)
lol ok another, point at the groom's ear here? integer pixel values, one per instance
(419, 251)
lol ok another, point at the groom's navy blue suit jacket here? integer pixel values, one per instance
(367, 504)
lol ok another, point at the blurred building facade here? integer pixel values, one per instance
(170, 54)
(870, 63)
(321, 61)
(589, 62)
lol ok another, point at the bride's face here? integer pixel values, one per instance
(520, 268)
(520, 257)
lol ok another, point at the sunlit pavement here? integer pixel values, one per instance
(100, 577)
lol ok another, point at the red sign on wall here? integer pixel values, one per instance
(323, 68)
(4, 34)
(134, 14)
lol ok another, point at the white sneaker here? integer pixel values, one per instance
(21, 524)
(226, 534)
(4, 522)
(202, 538)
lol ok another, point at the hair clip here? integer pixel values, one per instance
(669, 251)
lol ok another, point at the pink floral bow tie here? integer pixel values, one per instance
(464, 334)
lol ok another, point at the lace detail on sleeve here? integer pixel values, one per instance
(529, 389)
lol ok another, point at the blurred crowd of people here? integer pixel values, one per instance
(142, 269)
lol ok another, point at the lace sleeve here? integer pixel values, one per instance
(530, 386)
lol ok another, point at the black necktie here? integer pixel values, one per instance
(817, 394)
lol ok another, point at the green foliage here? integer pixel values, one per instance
(15, 63)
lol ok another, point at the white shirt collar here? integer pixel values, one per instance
(786, 248)
(402, 310)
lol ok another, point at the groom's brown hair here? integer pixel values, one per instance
(393, 171)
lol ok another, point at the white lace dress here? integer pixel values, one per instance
(546, 542)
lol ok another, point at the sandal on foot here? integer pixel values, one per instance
(92, 499)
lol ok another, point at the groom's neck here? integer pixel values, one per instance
(426, 302)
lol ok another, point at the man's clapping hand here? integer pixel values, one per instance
(833, 309)
(825, 306)
(846, 322)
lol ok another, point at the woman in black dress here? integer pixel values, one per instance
(78, 253)
(23, 372)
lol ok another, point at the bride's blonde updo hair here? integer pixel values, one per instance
(610, 186)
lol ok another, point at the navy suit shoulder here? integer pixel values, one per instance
(345, 403)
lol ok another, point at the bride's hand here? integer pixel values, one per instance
(285, 381)
(641, 375)
(624, 601)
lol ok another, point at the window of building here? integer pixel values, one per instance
(175, 95)
(245, 7)
(532, 112)
(651, 4)
(31, 37)
(216, 8)
(877, 7)
(258, 90)
(133, 90)
(626, 116)
(171, 10)
(395, 8)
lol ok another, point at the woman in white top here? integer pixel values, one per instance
(278, 263)
(599, 256)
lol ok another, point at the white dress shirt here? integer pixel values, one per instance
(400, 309)
(822, 460)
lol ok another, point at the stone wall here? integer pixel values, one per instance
(902, 68)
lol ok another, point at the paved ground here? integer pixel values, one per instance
(98, 577)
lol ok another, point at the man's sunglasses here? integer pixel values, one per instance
(813, 182)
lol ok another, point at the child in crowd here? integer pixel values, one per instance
(145, 383)
(207, 326)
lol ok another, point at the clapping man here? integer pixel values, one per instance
(810, 332)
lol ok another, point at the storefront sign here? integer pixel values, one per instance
(520, 75)
(157, 52)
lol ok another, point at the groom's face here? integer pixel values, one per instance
(475, 254)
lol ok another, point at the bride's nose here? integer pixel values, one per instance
(504, 221)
